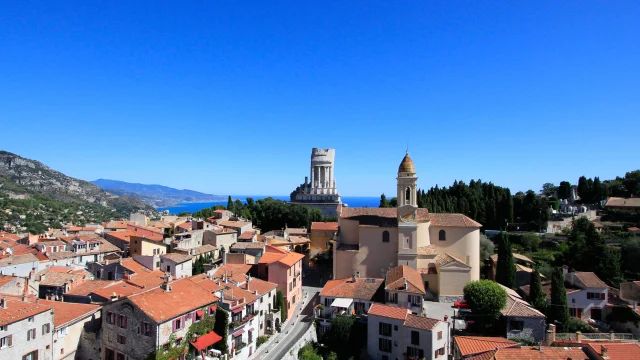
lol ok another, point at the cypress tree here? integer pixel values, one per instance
(536, 294)
(221, 327)
(558, 310)
(506, 268)
(230, 204)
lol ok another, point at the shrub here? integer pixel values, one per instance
(261, 340)
(486, 299)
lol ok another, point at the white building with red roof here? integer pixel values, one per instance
(444, 248)
(25, 329)
(395, 333)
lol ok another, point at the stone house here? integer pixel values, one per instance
(138, 325)
(25, 329)
(521, 319)
(220, 237)
(122, 239)
(75, 330)
(251, 248)
(394, 333)
(178, 265)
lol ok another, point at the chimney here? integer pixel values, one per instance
(578, 336)
(126, 275)
(353, 278)
(37, 301)
(603, 351)
(406, 285)
(113, 297)
(166, 285)
(24, 298)
(3, 302)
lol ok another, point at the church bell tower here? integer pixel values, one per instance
(407, 213)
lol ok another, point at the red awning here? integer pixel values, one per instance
(199, 313)
(206, 340)
(251, 330)
(237, 310)
(238, 333)
(213, 308)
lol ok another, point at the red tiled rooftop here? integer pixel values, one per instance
(471, 345)
(402, 275)
(388, 311)
(362, 288)
(19, 310)
(533, 353)
(617, 351)
(421, 322)
(324, 226)
(64, 312)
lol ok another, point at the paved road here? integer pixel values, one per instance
(281, 343)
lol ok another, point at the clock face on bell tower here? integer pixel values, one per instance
(407, 213)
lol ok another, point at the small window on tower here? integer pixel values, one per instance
(407, 195)
(385, 236)
(442, 235)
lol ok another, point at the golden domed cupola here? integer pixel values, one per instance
(406, 166)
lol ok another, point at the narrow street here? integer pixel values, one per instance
(281, 343)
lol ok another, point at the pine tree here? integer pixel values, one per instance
(536, 294)
(506, 268)
(558, 310)
(384, 203)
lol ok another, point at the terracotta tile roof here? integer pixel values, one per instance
(206, 248)
(388, 311)
(421, 322)
(185, 226)
(4, 279)
(115, 225)
(404, 278)
(234, 224)
(248, 245)
(139, 282)
(515, 306)
(445, 259)
(177, 257)
(324, 226)
(19, 259)
(268, 258)
(236, 272)
(517, 256)
(634, 229)
(427, 250)
(452, 220)
(236, 297)
(59, 278)
(362, 288)
(62, 255)
(623, 202)
(590, 280)
(617, 351)
(388, 213)
(87, 287)
(19, 310)
(546, 288)
(532, 353)
(8, 236)
(208, 284)
(285, 258)
(126, 235)
(291, 259)
(65, 312)
(298, 231)
(185, 296)
(273, 249)
(261, 286)
(247, 235)
(471, 345)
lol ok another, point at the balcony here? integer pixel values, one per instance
(244, 320)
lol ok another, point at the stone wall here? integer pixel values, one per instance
(533, 328)
(308, 336)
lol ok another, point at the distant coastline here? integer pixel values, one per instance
(352, 201)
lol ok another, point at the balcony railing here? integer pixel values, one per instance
(244, 320)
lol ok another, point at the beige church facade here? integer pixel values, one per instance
(444, 248)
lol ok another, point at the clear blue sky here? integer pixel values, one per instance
(229, 97)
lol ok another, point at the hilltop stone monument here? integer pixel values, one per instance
(319, 190)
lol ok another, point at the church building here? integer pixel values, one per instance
(444, 248)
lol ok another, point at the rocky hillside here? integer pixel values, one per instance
(24, 179)
(156, 195)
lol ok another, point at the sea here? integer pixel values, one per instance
(352, 201)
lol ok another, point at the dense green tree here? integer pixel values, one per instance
(485, 299)
(549, 189)
(229, 204)
(487, 247)
(221, 328)
(530, 241)
(564, 190)
(282, 305)
(506, 267)
(308, 352)
(536, 293)
(630, 252)
(384, 203)
(342, 336)
(557, 309)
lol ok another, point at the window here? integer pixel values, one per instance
(439, 352)
(122, 321)
(414, 300)
(62, 332)
(30, 318)
(415, 338)
(393, 298)
(168, 268)
(177, 324)
(384, 329)
(6, 341)
(111, 318)
(123, 340)
(109, 354)
(385, 236)
(46, 328)
(574, 312)
(358, 306)
(317, 233)
(439, 335)
(31, 356)
(442, 235)
(327, 302)
(415, 352)
(326, 233)
(595, 296)
(407, 195)
(4, 327)
(31, 334)
(145, 328)
(384, 345)
(516, 325)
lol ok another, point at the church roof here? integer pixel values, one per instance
(387, 217)
(406, 166)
